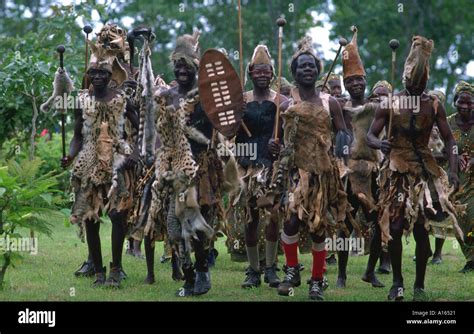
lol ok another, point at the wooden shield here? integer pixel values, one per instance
(220, 92)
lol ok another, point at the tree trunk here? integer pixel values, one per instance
(4, 268)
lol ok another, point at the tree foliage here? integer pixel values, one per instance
(30, 31)
(447, 23)
(28, 201)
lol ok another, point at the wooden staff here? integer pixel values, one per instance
(87, 29)
(241, 56)
(342, 42)
(60, 49)
(241, 63)
(280, 22)
(394, 44)
(85, 82)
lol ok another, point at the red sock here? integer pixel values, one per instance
(291, 253)
(319, 264)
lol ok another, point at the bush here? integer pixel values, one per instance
(29, 200)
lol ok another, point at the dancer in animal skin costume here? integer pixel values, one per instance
(462, 126)
(382, 90)
(113, 37)
(363, 163)
(307, 160)
(413, 186)
(188, 174)
(101, 153)
(259, 117)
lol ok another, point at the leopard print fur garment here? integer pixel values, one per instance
(103, 138)
(103, 149)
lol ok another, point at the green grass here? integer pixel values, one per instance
(48, 276)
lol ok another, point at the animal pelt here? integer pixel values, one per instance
(186, 109)
(62, 86)
(417, 194)
(188, 212)
(436, 144)
(233, 183)
(416, 72)
(312, 138)
(104, 146)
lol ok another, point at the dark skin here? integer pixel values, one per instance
(185, 75)
(379, 93)
(465, 120)
(100, 80)
(464, 105)
(335, 87)
(355, 85)
(261, 76)
(382, 118)
(305, 75)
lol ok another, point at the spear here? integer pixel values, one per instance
(60, 49)
(394, 44)
(342, 42)
(280, 22)
(87, 30)
(241, 63)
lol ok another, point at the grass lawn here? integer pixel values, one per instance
(48, 276)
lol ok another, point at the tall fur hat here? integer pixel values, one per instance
(187, 48)
(417, 67)
(351, 62)
(106, 59)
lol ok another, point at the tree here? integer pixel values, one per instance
(447, 23)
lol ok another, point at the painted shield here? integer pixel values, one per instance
(220, 92)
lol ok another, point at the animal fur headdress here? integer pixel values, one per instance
(187, 48)
(106, 59)
(113, 37)
(417, 67)
(305, 47)
(351, 62)
(260, 56)
(382, 83)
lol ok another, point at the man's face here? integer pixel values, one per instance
(335, 86)
(261, 75)
(355, 85)
(417, 87)
(184, 73)
(380, 93)
(464, 105)
(99, 78)
(306, 72)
